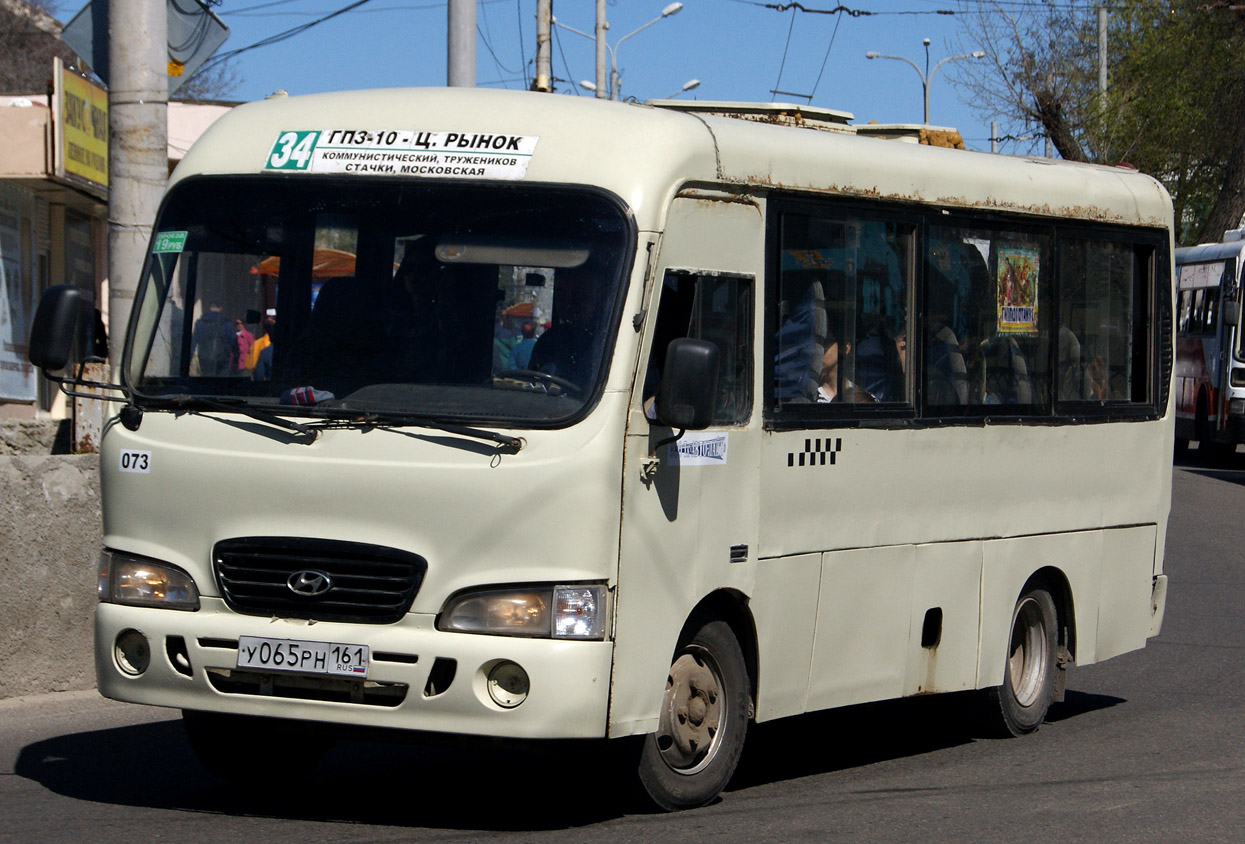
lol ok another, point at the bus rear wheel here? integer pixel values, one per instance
(1028, 686)
(703, 721)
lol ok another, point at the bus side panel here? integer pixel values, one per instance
(863, 626)
(1124, 608)
(946, 591)
(784, 607)
(1009, 563)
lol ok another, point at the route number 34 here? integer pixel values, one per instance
(292, 151)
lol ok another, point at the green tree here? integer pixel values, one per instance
(1175, 106)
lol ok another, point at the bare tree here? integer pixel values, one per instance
(214, 81)
(29, 39)
(1175, 107)
(1034, 79)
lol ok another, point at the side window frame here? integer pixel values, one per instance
(1008, 231)
(743, 352)
(1152, 247)
(779, 414)
(1152, 319)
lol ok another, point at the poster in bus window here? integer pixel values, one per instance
(1017, 276)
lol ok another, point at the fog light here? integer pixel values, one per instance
(132, 652)
(507, 685)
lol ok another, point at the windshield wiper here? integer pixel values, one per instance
(241, 406)
(368, 419)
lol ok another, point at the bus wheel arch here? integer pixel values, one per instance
(1056, 582)
(1039, 646)
(731, 607)
(706, 707)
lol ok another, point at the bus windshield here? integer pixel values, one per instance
(347, 297)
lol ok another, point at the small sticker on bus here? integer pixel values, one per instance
(168, 242)
(698, 449)
(136, 461)
(392, 152)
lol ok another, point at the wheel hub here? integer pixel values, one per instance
(692, 713)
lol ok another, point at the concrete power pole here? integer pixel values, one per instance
(138, 94)
(544, 14)
(1102, 57)
(601, 26)
(461, 44)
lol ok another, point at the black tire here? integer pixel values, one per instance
(703, 722)
(1029, 671)
(244, 750)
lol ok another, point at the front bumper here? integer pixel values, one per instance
(193, 658)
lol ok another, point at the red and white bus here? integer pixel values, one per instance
(1210, 358)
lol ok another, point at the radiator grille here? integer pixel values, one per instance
(339, 581)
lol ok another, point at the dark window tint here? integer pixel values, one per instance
(1104, 326)
(841, 329)
(717, 308)
(987, 321)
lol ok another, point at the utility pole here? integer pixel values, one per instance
(138, 94)
(544, 13)
(1102, 58)
(461, 44)
(601, 25)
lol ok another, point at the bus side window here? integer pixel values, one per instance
(841, 329)
(1104, 309)
(988, 325)
(717, 308)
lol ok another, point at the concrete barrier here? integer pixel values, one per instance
(50, 536)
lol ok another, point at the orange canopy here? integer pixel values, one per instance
(522, 309)
(326, 263)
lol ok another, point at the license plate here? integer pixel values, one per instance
(296, 656)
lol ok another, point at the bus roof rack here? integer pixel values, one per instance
(778, 114)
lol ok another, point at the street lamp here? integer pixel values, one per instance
(928, 74)
(687, 86)
(615, 84)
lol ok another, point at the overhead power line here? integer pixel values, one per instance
(282, 36)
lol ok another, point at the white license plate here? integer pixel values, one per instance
(338, 659)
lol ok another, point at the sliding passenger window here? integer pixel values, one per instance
(717, 308)
(987, 328)
(840, 322)
(1104, 320)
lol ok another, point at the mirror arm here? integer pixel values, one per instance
(648, 466)
(65, 384)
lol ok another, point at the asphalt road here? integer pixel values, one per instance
(1147, 747)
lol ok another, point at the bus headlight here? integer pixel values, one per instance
(144, 583)
(1236, 407)
(558, 612)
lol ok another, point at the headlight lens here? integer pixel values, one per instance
(559, 612)
(144, 583)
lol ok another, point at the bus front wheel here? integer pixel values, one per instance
(1028, 686)
(702, 724)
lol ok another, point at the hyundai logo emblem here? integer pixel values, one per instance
(309, 583)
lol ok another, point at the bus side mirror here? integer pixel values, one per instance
(55, 327)
(1231, 311)
(689, 384)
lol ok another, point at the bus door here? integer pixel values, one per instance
(1201, 361)
(689, 524)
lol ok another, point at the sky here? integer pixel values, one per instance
(738, 49)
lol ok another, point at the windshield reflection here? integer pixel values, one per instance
(330, 297)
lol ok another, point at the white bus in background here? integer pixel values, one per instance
(923, 427)
(1210, 358)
